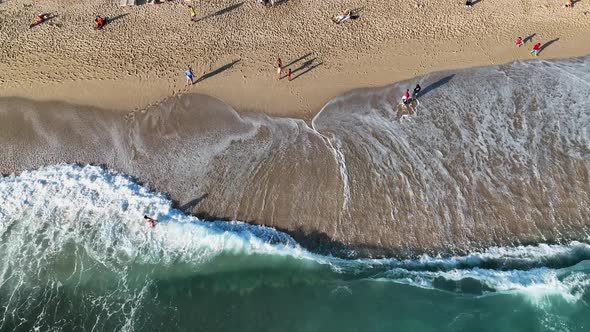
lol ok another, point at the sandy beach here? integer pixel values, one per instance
(139, 57)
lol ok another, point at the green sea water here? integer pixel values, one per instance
(75, 255)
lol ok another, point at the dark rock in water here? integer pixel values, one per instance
(494, 156)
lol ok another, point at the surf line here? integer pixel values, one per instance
(339, 158)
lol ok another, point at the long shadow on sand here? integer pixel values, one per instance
(190, 205)
(306, 67)
(437, 84)
(222, 11)
(297, 60)
(528, 38)
(217, 71)
(547, 45)
(114, 18)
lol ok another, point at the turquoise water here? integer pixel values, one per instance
(75, 254)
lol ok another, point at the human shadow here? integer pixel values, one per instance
(114, 18)
(436, 84)
(280, 2)
(190, 205)
(303, 65)
(528, 38)
(306, 67)
(216, 71)
(222, 11)
(356, 13)
(44, 21)
(545, 45)
(298, 59)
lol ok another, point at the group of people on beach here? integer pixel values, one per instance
(266, 2)
(536, 47)
(406, 99)
(280, 70)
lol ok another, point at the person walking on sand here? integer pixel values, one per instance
(535, 50)
(279, 68)
(519, 41)
(189, 75)
(191, 9)
(289, 75)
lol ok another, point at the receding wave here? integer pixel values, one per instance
(494, 156)
(76, 253)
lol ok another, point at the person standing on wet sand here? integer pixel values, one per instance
(519, 41)
(289, 75)
(189, 75)
(536, 48)
(279, 68)
(406, 96)
(416, 91)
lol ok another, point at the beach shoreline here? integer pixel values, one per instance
(488, 160)
(245, 78)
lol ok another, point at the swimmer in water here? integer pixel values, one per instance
(151, 221)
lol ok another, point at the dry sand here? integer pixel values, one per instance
(139, 58)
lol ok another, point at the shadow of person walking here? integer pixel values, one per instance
(217, 71)
(544, 46)
(436, 84)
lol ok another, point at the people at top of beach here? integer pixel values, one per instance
(41, 17)
(150, 221)
(279, 68)
(193, 12)
(519, 41)
(266, 2)
(189, 75)
(569, 4)
(536, 49)
(100, 22)
(345, 15)
(406, 96)
(416, 91)
(468, 3)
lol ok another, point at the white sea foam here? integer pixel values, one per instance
(43, 212)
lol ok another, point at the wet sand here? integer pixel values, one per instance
(328, 189)
(472, 169)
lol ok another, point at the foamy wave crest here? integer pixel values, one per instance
(60, 220)
(104, 211)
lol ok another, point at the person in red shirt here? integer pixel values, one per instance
(289, 74)
(100, 22)
(519, 41)
(39, 19)
(535, 50)
(406, 96)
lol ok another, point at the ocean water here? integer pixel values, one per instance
(76, 255)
